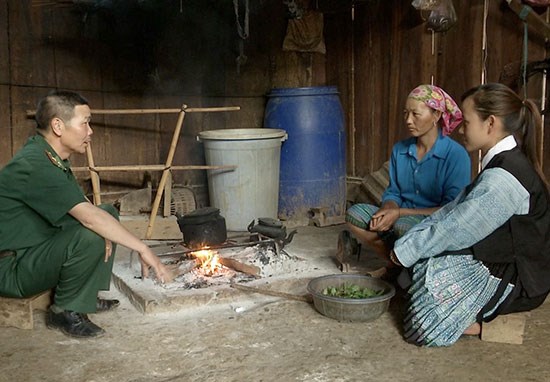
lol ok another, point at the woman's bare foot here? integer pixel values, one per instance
(473, 330)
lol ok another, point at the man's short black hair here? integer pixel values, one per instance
(57, 104)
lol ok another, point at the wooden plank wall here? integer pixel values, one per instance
(393, 52)
(130, 55)
(165, 56)
(49, 47)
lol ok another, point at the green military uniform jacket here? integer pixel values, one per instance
(37, 190)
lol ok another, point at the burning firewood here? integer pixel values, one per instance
(183, 267)
(240, 266)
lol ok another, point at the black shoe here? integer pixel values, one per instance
(389, 237)
(73, 324)
(103, 305)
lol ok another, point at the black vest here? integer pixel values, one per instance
(520, 248)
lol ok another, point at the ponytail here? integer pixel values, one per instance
(521, 118)
(532, 122)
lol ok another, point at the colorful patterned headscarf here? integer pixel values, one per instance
(438, 99)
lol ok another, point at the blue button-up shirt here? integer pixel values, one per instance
(433, 181)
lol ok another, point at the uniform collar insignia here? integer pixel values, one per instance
(55, 160)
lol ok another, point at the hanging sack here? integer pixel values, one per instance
(442, 17)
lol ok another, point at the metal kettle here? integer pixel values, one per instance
(271, 228)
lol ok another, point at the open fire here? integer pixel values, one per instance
(231, 263)
(209, 261)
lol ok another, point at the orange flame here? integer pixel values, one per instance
(209, 260)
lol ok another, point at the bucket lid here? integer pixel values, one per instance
(242, 134)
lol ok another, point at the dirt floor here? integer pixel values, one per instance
(252, 337)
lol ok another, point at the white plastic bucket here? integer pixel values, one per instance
(251, 190)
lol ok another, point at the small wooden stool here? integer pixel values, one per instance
(18, 312)
(508, 328)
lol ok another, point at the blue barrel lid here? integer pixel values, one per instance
(305, 91)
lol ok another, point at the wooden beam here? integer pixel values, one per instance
(527, 14)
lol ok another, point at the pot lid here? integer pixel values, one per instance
(270, 222)
(199, 216)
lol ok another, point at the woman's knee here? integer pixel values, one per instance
(359, 215)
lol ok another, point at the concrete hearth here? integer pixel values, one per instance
(310, 254)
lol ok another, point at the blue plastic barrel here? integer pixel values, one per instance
(313, 158)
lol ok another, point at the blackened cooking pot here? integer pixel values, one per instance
(203, 227)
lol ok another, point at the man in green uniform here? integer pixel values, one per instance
(51, 236)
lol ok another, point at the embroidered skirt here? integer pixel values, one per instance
(446, 294)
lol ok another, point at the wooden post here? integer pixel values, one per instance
(167, 196)
(93, 176)
(165, 173)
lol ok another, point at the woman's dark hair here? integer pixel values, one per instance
(57, 104)
(521, 118)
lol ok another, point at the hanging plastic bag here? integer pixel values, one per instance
(426, 5)
(443, 17)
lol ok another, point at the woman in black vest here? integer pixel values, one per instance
(487, 252)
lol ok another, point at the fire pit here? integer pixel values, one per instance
(203, 274)
(225, 265)
(250, 258)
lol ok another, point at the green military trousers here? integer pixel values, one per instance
(72, 262)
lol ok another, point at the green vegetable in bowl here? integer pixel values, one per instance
(351, 291)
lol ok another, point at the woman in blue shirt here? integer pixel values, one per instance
(427, 171)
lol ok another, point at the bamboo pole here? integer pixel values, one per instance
(269, 292)
(165, 111)
(211, 109)
(151, 167)
(93, 176)
(160, 188)
(31, 113)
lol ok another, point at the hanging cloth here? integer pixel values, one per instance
(306, 33)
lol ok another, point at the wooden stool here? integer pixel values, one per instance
(508, 328)
(18, 312)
